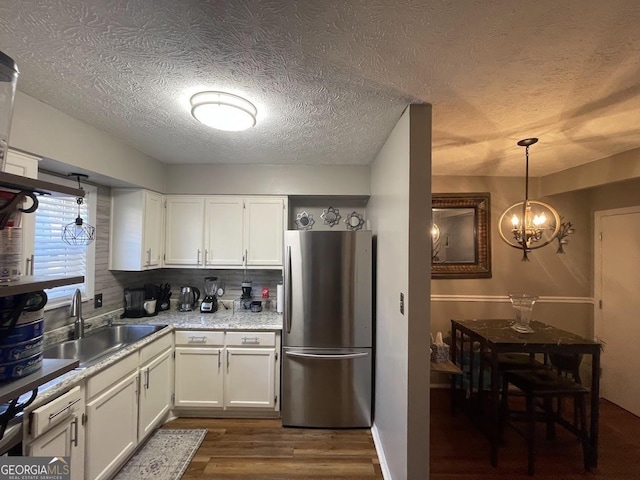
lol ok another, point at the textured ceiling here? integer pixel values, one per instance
(331, 78)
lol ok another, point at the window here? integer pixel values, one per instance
(52, 256)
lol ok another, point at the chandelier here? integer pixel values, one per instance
(78, 232)
(435, 233)
(529, 224)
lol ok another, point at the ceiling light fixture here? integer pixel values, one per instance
(529, 224)
(223, 111)
(78, 232)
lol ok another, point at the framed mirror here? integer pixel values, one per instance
(460, 235)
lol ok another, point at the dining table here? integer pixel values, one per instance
(485, 340)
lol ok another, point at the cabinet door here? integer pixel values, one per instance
(198, 377)
(250, 377)
(111, 429)
(62, 441)
(263, 230)
(184, 230)
(223, 231)
(155, 393)
(153, 231)
(137, 229)
(27, 166)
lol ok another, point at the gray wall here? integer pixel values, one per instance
(68, 145)
(399, 212)
(268, 179)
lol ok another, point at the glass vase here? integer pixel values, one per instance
(523, 305)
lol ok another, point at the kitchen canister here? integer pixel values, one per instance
(8, 85)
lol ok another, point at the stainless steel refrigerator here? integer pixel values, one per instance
(327, 333)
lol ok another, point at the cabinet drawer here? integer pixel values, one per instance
(199, 337)
(111, 375)
(52, 413)
(245, 339)
(151, 350)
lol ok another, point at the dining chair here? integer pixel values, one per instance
(541, 387)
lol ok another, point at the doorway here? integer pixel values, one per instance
(617, 296)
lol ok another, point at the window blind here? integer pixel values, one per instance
(52, 256)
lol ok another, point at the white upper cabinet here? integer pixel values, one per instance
(223, 231)
(153, 231)
(137, 229)
(263, 231)
(184, 231)
(19, 163)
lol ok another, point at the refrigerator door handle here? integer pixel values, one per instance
(287, 293)
(346, 356)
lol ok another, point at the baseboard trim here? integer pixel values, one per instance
(386, 474)
(505, 299)
(182, 412)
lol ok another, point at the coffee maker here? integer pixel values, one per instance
(245, 298)
(246, 289)
(210, 302)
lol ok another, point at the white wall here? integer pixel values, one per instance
(269, 179)
(401, 405)
(46, 132)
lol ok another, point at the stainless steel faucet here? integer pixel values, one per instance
(76, 311)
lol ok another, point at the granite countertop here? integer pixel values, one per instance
(231, 319)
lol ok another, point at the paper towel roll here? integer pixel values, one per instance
(280, 298)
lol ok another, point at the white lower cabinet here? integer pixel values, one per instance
(198, 377)
(56, 430)
(155, 393)
(250, 378)
(60, 442)
(112, 433)
(212, 373)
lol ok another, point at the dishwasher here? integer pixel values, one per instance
(56, 429)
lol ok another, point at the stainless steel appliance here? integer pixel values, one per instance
(327, 336)
(188, 298)
(209, 303)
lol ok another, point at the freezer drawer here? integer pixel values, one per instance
(328, 388)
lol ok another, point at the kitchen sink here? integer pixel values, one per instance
(99, 344)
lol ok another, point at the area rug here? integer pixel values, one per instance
(165, 456)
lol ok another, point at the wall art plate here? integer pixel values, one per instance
(305, 221)
(354, 221)
(331, 216)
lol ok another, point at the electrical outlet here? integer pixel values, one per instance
(402, 303)
(97, 300)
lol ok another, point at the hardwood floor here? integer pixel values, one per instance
(243, 449)
(264, 450)
(459, 451)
